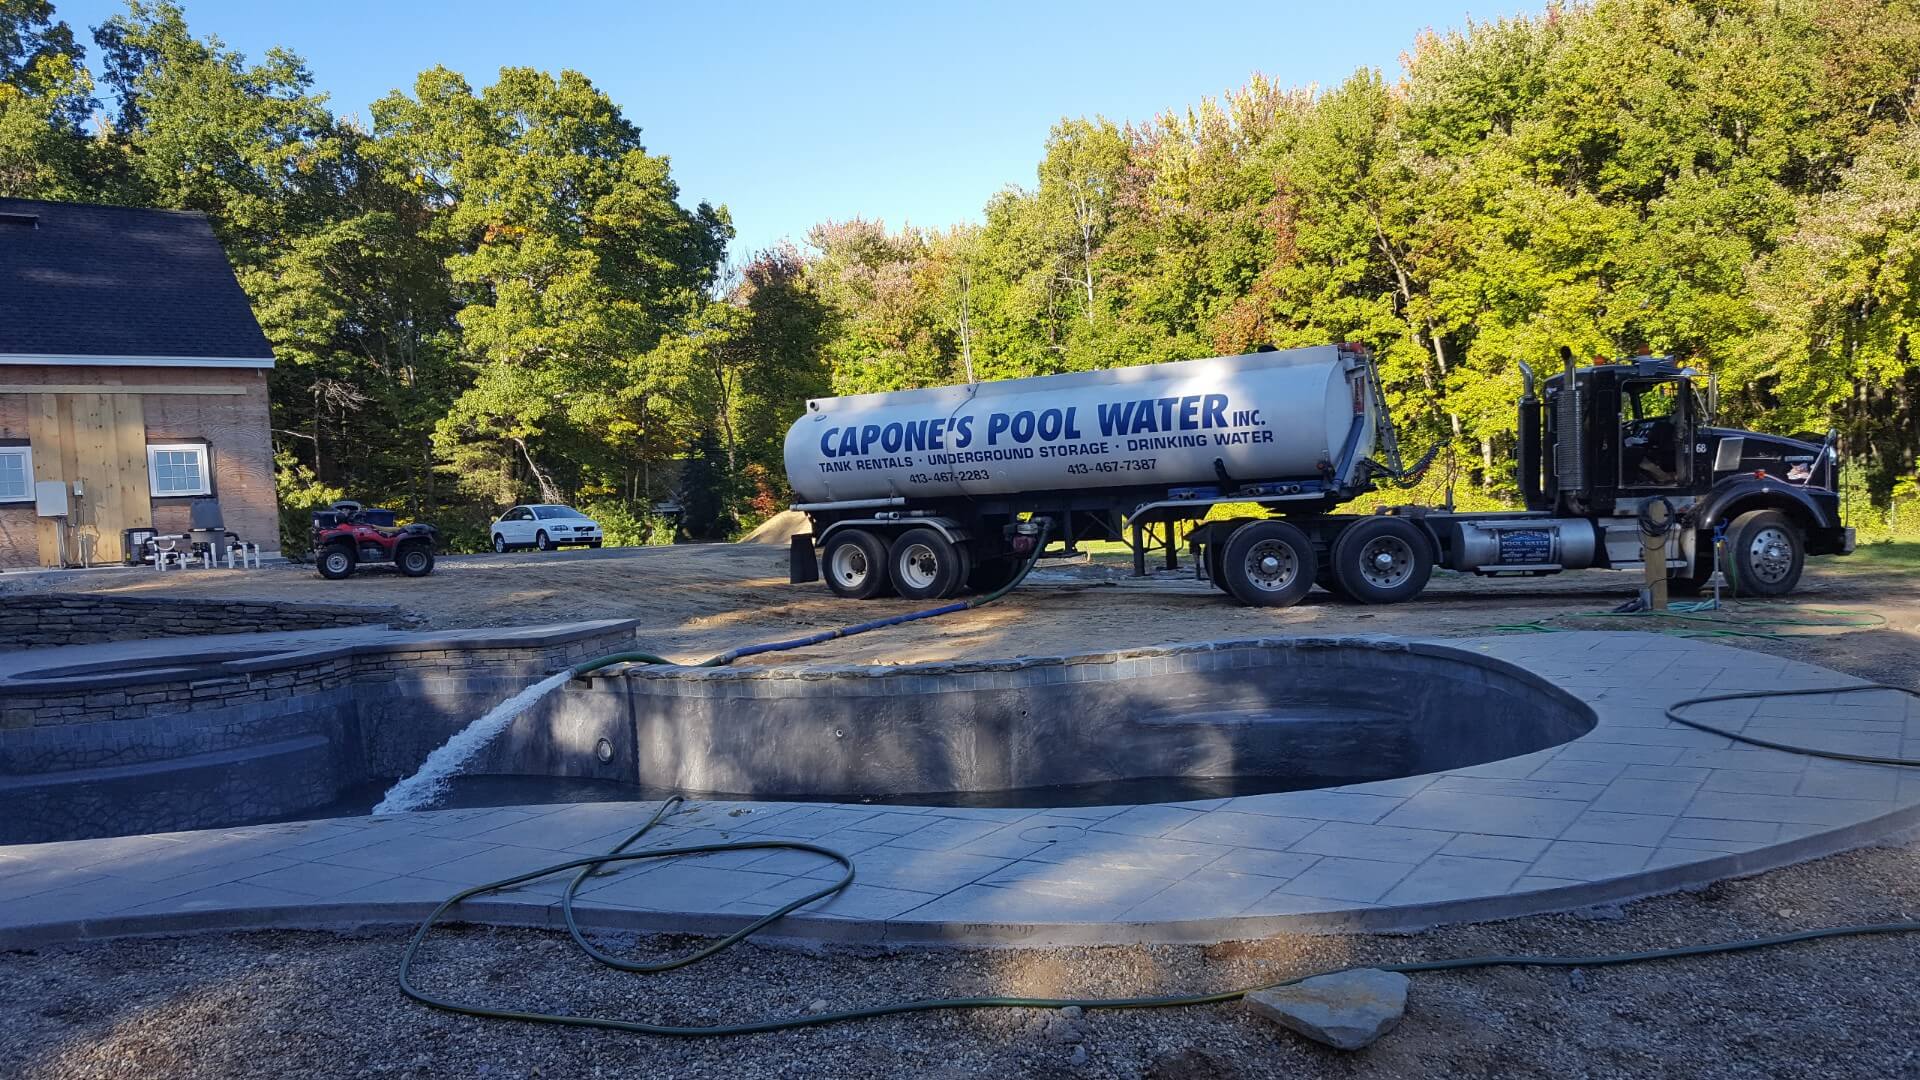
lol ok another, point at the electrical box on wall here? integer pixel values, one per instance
(50, 498)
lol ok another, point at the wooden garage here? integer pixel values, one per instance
(133, 384)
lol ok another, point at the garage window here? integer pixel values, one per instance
(178, 469)
(16, 474)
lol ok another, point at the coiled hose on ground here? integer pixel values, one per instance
(591, 866)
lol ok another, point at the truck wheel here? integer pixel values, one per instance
(963, 574)
(855, 561)
(336, 562)
(1216, 556)
(416, 560)
(924, 565)
(1689, 583)
(1765, 554)
(1269, 564)
(1382, 560)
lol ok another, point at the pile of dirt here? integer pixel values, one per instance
(778, 529)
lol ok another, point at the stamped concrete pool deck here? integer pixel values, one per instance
(1639, 805)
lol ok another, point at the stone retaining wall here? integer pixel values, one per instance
(49, 619)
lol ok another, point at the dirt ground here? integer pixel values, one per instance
(325, 1005)
(693, 601)
(298, 1005)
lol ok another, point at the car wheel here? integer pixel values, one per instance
(499, 543)
(542, 541)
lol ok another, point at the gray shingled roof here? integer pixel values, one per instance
(113, 281)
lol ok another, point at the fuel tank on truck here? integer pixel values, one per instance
(1294, 414)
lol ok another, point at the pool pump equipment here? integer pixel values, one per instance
(922, 492)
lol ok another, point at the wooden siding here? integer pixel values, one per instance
(100, 438)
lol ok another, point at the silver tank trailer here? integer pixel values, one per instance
(1289, 414)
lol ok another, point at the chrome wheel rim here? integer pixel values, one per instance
(1386, 562)
(849, 566)
(499, 544)
(919, 567)
(1271, 566)
(1770, 555)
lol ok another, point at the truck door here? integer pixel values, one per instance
(1656, 435)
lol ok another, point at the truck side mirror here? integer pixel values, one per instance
(1713, 396)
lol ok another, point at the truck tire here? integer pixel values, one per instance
(1765, 554)
(1382, 560)
(1269, 564)
(855, 562)
(1216, 556)
(415, 560)
(1690, 583)
(924, 565)
(336, 561)
(1331, 584)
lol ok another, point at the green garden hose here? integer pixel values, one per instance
(728, 657)
(597, 865)
(591, 865)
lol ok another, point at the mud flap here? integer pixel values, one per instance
(803, 566)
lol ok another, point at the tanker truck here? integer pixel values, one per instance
(930, 493)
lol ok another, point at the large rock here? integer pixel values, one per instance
(1346, 1010)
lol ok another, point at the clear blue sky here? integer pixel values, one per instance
(790, 113)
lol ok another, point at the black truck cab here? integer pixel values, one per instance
(1602, 441)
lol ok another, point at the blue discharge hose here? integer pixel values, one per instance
(596, 865)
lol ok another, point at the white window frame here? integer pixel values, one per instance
(26, 461)
(206, 469)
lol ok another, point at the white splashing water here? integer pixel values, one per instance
(419, 791)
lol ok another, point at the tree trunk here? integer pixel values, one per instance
(548, 492)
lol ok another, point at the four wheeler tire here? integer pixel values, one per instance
(500, 544)
(1269, 564)
(990, 575)
(415, 560)
(1764, 555)
(925, 565)
(854, 562)
(1382, 560)
(336, 561)
(542, 541)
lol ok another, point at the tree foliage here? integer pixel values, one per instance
(491, 294)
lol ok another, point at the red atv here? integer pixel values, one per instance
(350, 534)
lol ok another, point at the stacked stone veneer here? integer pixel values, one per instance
(83, 619)
(249, 740)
